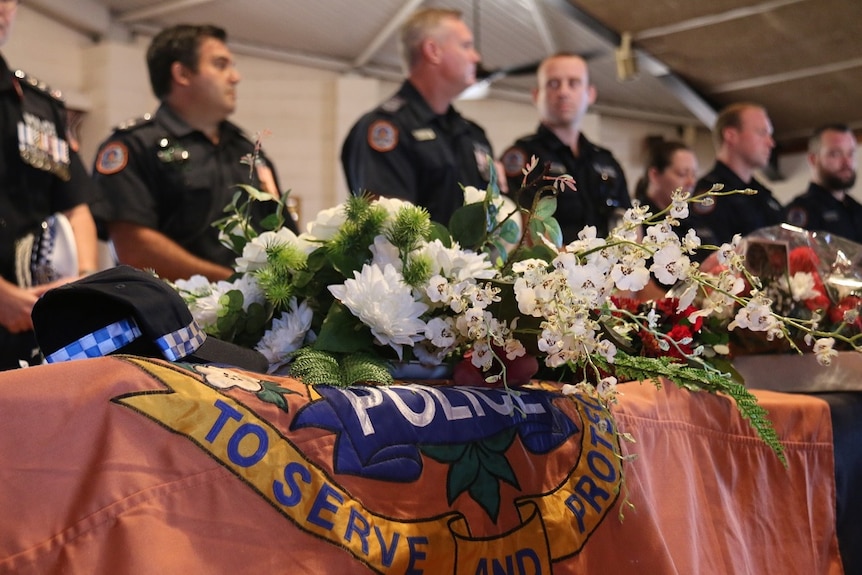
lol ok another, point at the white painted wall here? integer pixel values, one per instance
(306, 112)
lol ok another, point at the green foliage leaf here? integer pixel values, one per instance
(510, 231)
(255, 194)
(485, 490)
(468, 225)
(343, 332)
(274, 393)
(546, 208)
(445, 453)
(553, 231)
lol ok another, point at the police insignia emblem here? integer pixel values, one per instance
(382, 136)
(514, 161)
(112, 159)
(797, 216)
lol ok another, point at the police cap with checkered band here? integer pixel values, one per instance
(126, 310)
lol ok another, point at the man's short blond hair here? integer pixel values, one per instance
(422, 24)
(731, 117)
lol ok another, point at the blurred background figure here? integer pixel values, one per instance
(670, 166)
(42, 180)
(562, 95)
(416, 146)
(166, 178)
(827, 204)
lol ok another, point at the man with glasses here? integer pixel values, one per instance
(40, 175)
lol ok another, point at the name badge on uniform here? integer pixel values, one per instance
(557, 169)
(831, 216)
(424, 134)
(42, 147)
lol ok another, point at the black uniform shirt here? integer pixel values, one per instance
(602, 193)
(818, 210)
(39, 172)
(734, 214)
(161, 173)
(403, 149)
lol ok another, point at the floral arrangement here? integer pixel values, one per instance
(373, 282)
(812, 280)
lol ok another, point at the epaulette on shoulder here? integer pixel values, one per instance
(27, 80)
(134, 123)
(393, 104)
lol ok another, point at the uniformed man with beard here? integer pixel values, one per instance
(827, 205)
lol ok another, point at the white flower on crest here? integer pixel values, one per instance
(225, 378)
(287, 333)
(384, 303)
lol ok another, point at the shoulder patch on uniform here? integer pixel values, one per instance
(797, 216)
(36, 84)
(514, 159)
(382, 136)
(134, 123)
(112, 159)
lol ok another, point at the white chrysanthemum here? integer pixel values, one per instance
(202, 297)
(392, 205)
(802, 286)
(287, 333)
(458, 264)
(248, 286)
(254, 253)
(384, 303)
(326, 224)
(197, 285)
(384, 253)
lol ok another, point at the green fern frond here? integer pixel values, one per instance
(364, 368)
(317, 367)
(698, 378)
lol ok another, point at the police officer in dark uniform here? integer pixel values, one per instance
(743, 136)
(416, 146)
(166, 178)
(827, 205)
(562, 96)
(40, 175)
